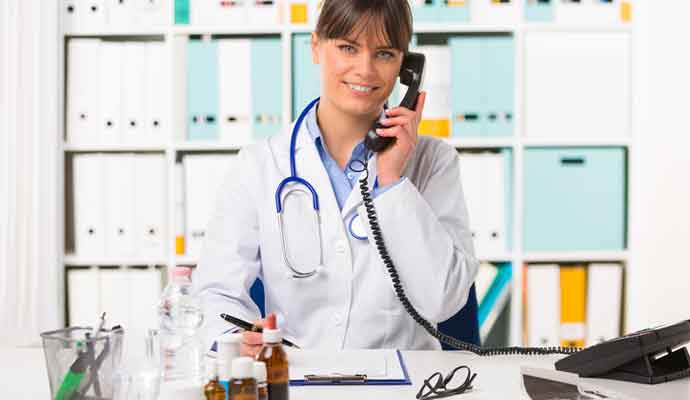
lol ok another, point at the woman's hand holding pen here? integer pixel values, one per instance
(402, 124)
(252, 340)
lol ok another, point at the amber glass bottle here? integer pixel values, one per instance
(213, 390)
(276, 360)
(243, 384)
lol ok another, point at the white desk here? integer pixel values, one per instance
(23, 376)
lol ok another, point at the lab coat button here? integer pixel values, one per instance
(340, 247)
(337, 320)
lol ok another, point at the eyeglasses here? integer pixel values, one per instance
(436, 386)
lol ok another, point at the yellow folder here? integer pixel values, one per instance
(573, 305)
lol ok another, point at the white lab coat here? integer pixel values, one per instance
(350, 303)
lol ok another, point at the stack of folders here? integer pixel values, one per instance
(478, 11)
(119, 205)
(116, 92)
(486, 182)
(579, 11)
(234, 90)
(573, 305)
(81, 16)
(128, 295)
(493, 288)
(234, 13)
(470, 87)
(201, 176)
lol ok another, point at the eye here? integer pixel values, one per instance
(347, 48)
(386, 55)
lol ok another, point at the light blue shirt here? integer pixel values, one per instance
(342, 180)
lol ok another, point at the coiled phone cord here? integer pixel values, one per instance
(402, 296)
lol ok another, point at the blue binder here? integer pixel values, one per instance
(306, 84)
(337, 381)
(539, 10)
(267, 87)
(202, 90)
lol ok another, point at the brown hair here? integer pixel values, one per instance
(338, 19)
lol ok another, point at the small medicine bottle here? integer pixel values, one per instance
(273, 354)
(243, 384)
(213, 390)
(260, 376)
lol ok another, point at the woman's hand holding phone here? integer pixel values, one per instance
(402, 124)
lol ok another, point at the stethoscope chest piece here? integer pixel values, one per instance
(356, 228)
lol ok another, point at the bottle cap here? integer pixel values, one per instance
(272, 336)
(260, 371)
(211, 369)
(228, 350)
(242, 368)
(271, 322)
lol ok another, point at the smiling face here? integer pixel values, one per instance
(359, 70)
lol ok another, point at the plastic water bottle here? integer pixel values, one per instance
(180, 317)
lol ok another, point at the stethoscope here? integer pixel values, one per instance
(354, 226)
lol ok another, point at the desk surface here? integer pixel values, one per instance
(23, 376)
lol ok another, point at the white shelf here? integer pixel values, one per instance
(118, 33)
(464, 28)
(585, 256)
(578, 28)
(207, 146)
(480, 143)
(74, 148)
(186, 260)
(576, 142)
(495, 258)
(227, 30)
(78, 261)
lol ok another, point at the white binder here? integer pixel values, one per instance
(494, 12)
(89, 222)
(83, 296)
(150, 211)
(150, 13)
(263, 13)
(157, 121)
(179, 210)
(133, 92)
(579, 84)
(604, 292)
(203, 178)
(472, 175)
(235, 87)
(111, 92)
(495, 201)
(80, 16)
(221, 13)
(145, 287)
(543, 305)
(588, 12)
(83, 66)
(120, 13)
(118, 206)
(437, 82)
(115, 295)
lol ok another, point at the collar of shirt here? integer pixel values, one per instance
(342, 180)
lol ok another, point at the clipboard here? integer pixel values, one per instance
(356, 378)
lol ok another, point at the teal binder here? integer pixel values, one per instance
(467, 94)
(306, 76)
(574, 199)
(202, 90)
(182, 12)
(267, 86)
(539, 10)
(427, 12)
(451, 14)
(499, 83)
(498, 286)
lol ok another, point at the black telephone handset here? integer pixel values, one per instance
(411, 72)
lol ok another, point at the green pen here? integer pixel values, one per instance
(73, 377)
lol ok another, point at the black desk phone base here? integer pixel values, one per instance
(648, 356)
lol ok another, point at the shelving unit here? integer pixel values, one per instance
(174, 146)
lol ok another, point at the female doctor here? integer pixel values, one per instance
(321, 271)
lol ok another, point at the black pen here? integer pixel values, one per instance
(248, 326)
